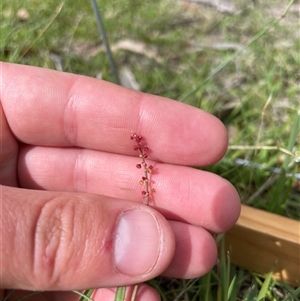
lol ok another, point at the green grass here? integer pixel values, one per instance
(255, 92)
(226, 283)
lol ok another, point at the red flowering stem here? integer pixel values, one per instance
(147, 169)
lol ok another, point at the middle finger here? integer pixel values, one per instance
(181, 193)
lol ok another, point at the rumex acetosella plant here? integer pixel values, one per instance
(143, 150)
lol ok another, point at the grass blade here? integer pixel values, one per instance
(43, 30)
(85, 295)
(27, 296)
(120, 293)
(8, 295)
(265, 287)
(231, 287)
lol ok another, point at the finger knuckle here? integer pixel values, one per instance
(53, 241)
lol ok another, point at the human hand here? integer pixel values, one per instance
(70, 191)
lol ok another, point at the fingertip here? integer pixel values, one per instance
(218, 136)
(210, 137)
(196, 252)
(228, 207)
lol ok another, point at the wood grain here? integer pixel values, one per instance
(262, 242)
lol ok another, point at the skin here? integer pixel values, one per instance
(68, 174)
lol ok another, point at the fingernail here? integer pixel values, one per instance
(137, 243)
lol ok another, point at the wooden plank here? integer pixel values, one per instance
(262, 241)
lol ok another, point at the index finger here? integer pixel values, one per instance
(50, 108)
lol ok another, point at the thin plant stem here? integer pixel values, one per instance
(43, 30)
(134, 293)
(101, 29)
(270, 181)
(85, 295)
(258, 136)
(8, 295)
(188, 286)
(264, 147)
(27, 296)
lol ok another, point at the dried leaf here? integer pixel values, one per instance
(128, 80)
(22, 14)
(220, 5)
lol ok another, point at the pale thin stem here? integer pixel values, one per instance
(263, 147)
(134, 293)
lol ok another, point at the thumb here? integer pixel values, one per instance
(64, 241)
